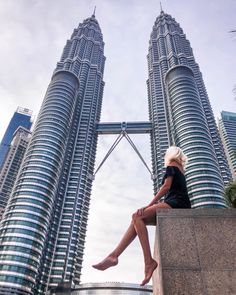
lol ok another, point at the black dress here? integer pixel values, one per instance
(177, 196)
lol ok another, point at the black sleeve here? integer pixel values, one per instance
(170, 171)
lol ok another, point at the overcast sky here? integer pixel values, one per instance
(33, 34)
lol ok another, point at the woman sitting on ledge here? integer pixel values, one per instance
(176, 196)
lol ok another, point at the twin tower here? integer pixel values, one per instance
(42, 232)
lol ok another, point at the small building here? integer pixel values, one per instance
(107, 288)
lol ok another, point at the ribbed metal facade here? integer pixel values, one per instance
(189, 130)
(169, 48)
(43, 228)
(227, 127)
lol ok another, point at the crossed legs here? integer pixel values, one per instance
(137, 227)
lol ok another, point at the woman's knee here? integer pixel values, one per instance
(135, 217)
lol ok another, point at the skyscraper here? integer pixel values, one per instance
(12, 164)
(181, 114)
(227, 127)
(22, 117)
(44, 225)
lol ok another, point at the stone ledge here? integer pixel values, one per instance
(196, 252)
(196, 212)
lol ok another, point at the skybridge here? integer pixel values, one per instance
(128, 127)
(123, 129)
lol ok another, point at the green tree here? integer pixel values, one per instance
(230, 194)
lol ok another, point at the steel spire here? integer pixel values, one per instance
(161, 7)
(93, 15)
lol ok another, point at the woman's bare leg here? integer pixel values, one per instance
(127, 239)
(112, 258)
(141, 230)
(129, 236)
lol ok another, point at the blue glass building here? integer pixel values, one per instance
(22, 117)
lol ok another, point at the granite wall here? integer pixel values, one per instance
(196, 252)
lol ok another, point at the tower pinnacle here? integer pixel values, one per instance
(93, 15)
(161, 7)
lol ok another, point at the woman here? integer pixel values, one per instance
(176, 196)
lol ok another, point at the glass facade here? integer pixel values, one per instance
(189, 130)
(43, 229)
(227, 127)
(22, 117)
(180, 112)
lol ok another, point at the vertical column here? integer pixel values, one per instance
(190, 132)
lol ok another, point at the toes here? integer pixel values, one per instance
(97, 266)
(144, 282)
(148, 273)
(106, 263)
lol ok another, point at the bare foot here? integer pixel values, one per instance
(106, 263)
(149, 269)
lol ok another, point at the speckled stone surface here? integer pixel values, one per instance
(196, 252)
(220, 282)
(177, 282)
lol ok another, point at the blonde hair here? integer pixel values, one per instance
(175, 153)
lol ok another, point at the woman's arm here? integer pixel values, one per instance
(162, 191)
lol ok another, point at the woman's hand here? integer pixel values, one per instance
(141, 211)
